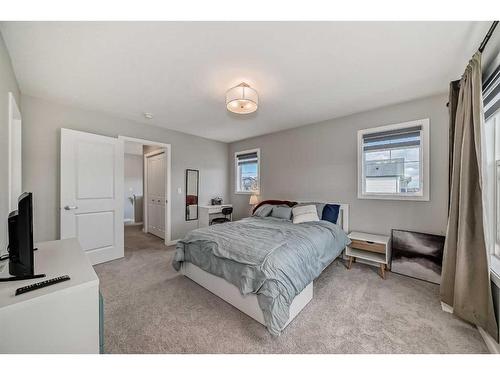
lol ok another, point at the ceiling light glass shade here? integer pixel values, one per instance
(242, 99)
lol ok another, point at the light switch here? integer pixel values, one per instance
(179, 190)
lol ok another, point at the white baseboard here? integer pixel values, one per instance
(490, 342)
(173, 242)
(446, 308)
(493, 346)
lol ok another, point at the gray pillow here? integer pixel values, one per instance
(319, 207)
(282, 212)
(263, 210)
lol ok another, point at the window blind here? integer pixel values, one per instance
(247, 158)
(392, 139)
(491, 94)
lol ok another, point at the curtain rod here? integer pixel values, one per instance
(485, 41)
(488, 36)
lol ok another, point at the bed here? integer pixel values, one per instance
(263, 266)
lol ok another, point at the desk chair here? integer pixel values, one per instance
(226, 211)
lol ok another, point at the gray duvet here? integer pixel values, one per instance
(270, 257)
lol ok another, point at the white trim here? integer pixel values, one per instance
(446, 308)
(424, 162)
(490, 342)
(236, 191)
(173, 242)
(168, 183)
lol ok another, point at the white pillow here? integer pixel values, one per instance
(303, 214)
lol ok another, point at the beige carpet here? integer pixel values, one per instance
(150, 308)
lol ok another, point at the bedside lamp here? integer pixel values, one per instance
(254, 199)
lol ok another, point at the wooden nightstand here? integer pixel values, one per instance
(371, 247)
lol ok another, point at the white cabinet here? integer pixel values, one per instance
(61, 318)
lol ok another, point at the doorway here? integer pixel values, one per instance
(155, 191)
(147, 188)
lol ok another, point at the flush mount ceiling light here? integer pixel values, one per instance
(148, 115)
(242, 99)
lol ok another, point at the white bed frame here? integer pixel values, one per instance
(248, 304)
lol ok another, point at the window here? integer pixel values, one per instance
(491, 162)
(247, 172)
(393, 161)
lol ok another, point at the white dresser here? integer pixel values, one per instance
(208, 213)
(61, 318)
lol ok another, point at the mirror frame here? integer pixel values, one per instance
(197, 194)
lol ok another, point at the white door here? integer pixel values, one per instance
(92, 193)
(156, 166)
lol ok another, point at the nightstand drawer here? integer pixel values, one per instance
(368, 246)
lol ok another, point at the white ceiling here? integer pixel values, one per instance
(305, 72)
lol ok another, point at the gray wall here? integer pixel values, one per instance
(319, 162)
(8, 84)
(42, 121)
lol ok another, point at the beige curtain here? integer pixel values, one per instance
(465, 283)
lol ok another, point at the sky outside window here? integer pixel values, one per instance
(411, 157)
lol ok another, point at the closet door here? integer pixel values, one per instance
(156, 182)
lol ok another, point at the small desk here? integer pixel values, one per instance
(209, 212)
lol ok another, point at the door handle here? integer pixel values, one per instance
(67, 208)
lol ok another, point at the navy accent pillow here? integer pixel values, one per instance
(331, 213)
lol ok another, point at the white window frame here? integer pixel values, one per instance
(236, 172)
(424, 194)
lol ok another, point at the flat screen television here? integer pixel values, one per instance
(20, 228)
(21, 237)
